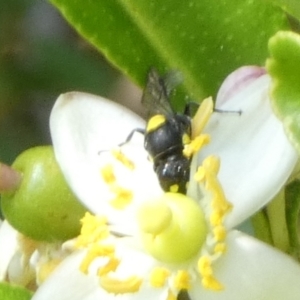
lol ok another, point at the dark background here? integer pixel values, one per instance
(41, 56)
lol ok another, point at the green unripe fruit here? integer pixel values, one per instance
(43, 207)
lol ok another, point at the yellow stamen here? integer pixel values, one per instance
(205, 270)
(123, 159)
(182, 280)
(111, 265)
(220, 248)
(158, 277)
(94, 229)
(96, 250)
(219, 233)
(216, 218)
(200, 174)
(108, 174)
(212, 283)
(212, 163)
(116, 286)
(155, 122)
(123, 197)
(195, 145)
(204, 266)
(207, 178)
(202, 116)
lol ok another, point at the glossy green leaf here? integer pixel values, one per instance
(204, 39)
(11, 292)
(292, 7)
(284, 68)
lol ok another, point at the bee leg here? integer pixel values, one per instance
(239, 112)
(129, 137)
(189, 111)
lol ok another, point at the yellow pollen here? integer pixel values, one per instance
(212, 283)
(216, 218)
(123, 197)
(182, 280)
(111, 265)
(219, 233)
(186, 139)
(200, 174)
(155, 122)
(94, 229)
(204, 266)
(95, 251)
(195, 145)
(154, 217)
(206, 176)
(46, 269)
(116, 286)
(202, 116)
(174, 188)
(220, 248)
(123, 159)
(212, 163)
(108, 174)
(158, 277)
(205, 270)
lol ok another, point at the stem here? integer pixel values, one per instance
(10, 179)
(277, 221)
(292, 194)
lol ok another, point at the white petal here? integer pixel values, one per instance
(256, 157)
(8, 247)
(81, 126)
(252, 270)
(67, 282)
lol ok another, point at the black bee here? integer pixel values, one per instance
(166, 132)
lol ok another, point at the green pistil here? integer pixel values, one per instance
(173, 227)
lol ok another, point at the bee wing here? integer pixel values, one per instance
(157, 92)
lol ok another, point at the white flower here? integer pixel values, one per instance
(256, 160)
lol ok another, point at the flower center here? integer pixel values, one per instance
(173, 227)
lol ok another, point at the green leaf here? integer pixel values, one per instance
(12, 292)
(204, 39)
(284, 68)
(290, 6)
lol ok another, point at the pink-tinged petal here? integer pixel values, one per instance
(256, 156)
(83, 127)
(8, 247)
(236, 81)
(252, 270)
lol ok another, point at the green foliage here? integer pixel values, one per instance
(284, 68)
(12, 292)
(205, 40)
(290, 6)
